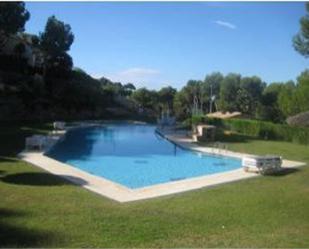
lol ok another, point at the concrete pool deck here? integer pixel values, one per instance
(121, 193)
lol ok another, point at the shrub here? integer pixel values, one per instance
(198, 119)
(187, 122)
(194, 120)
(265, 130)
(215, 121)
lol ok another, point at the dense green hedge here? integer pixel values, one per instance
(194, 120)
(265, 130)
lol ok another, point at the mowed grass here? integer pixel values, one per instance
(41, 210)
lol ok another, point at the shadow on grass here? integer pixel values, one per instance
(41, 179)
(14, 136)
(7, 160)
(230, 138)
(284, 172)
(17, 236)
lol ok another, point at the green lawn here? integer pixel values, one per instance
(41, 210)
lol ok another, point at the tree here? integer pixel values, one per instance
(286, 100)
(211, 86)
(35, 40)
(128, 89)
(244, 101)
(145, 98)
(214, 79)
(130, 86)
(228, 92)
(104, 81)
(301, 40)
(182, 108)
(190, 97)
(166, 97)
(83, 93)
(193, 93)
(13, 16)
(268, 108)
(20, 49)
(57, 37)
(56, 41)
(249, 95)
(114, 88)
(118, 89)
(301, 98)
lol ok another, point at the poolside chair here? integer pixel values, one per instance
(35, 142)
(59, 125)
(262, 164)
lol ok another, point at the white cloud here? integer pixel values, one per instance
(140, 77)
(138, 73)
(226, 24)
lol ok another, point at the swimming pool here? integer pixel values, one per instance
(134, 155)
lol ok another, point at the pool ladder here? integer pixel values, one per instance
(219, 148)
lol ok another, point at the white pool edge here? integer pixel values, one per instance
(120, 193)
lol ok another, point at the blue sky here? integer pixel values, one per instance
(155, 44)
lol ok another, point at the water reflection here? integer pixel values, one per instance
(114, 140)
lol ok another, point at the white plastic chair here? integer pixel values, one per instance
(59, 125)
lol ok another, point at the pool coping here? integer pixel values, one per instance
(120, 193)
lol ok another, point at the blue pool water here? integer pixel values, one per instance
(134, 155)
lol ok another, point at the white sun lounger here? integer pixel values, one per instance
(262, 164)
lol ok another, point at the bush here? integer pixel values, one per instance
(265, 130)
(194, 120)
(187, 122)
(198, 119)
(215, 121)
